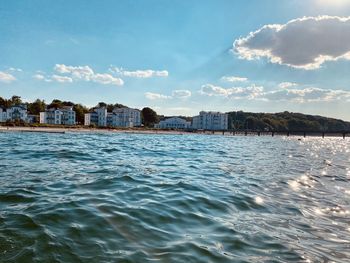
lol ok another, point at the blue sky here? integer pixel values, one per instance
(180, 57)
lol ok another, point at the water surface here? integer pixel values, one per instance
(79, 197)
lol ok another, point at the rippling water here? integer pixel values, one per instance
(79, 197)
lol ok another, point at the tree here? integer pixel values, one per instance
(16, 100)
(80, 111)
(111, 107)
(149, 117)
(55, 104)
(36, 107)
(101, 104)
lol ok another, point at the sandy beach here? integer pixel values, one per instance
(88, 130)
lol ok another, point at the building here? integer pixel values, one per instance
(63, 116)
(2, 115)
(214, 121)
(97, 117)
(173, 123)
(125, 117)
(13, 113)
(119, 117)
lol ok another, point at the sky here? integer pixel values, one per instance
(180, 56)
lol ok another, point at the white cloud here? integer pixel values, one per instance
(176, 94)
(285, 92)
(211, 90)
(6, 77)
(304, 43)
(41, 77)
(79, 72)
(62, 79)
(310, 94)
(85, 73)
(233, 79)
(15, 69)
(149, 73)
(251, 92)
(38, 77)
(107, 79)
(156, 96)
(181, 94)
(285, 85)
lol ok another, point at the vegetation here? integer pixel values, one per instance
(149, 117)
(285, 121)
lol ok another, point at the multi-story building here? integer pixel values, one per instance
(64, 116)
(173, 123)
(125, 117)
(119, 117)
(3, 115)
(97, 117)
(215, 121)
(16, 112)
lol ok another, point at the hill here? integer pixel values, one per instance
(285, 121)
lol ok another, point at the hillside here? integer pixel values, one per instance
(285, 121)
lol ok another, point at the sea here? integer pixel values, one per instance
(120, 197)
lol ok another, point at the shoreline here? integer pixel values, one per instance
(88, 130)
(62, 130)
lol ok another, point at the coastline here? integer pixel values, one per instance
(62, 130)
(89, 130)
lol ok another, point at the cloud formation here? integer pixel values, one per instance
(176, 94)
(304, 95)
(39, 77)
(6, 77)
(15, 69)
(181, 94)
(62, 79)
(79, 72)
(149, 73)
(233, 79)
(304, 43)
(285, 85)
(156, 96)
(289, 92)
(250, 92)
(107, 79)
(84, 73)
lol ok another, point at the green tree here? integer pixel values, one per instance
(36, 107)
(149, 117)
(55, 104)
(16, 100)
(101, 104)
(80, 111)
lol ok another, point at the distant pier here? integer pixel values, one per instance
(278, 133)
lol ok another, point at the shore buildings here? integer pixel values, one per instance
(214, 121)
(16, 112)
(173, 123)
(119, 117)
(97, 117)
(64, 116)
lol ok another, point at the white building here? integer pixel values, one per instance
(215, 121)
(119, 117)
(17, 112)
(3, 115)
(173, 123)
(98, 117)
(125, 117)
(64, 116)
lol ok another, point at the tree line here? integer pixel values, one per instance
(149, 116)
(284, 122)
